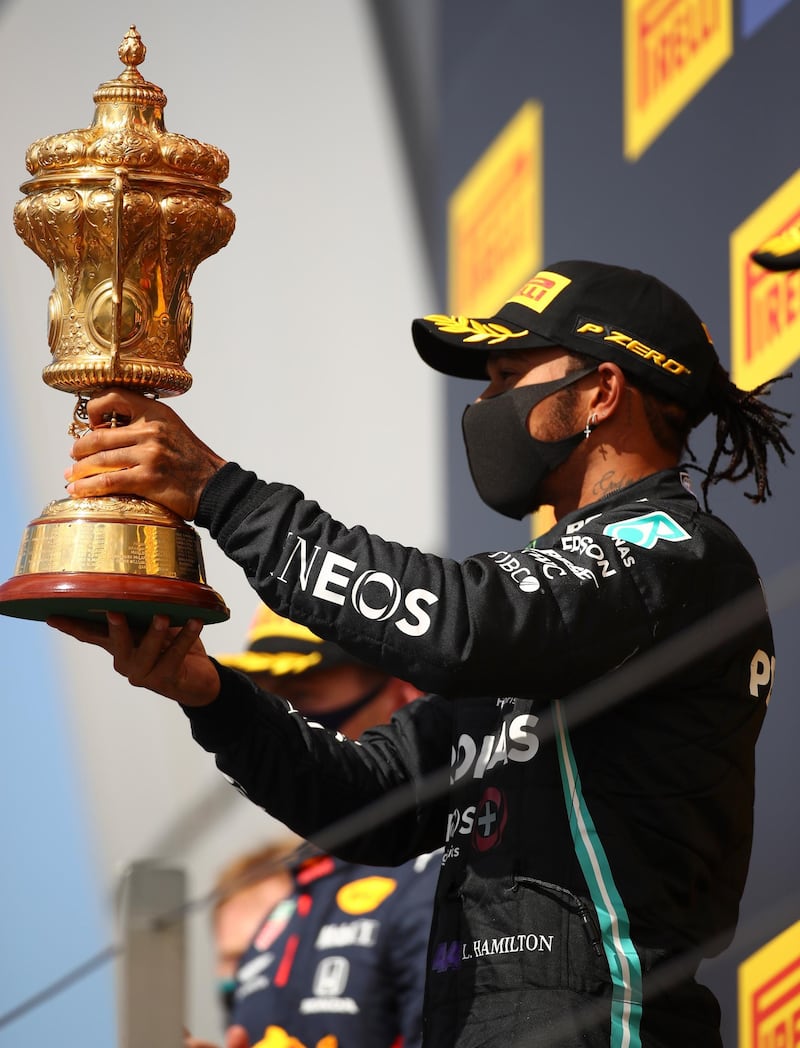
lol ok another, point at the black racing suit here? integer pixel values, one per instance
(343, 956)
(598, 823)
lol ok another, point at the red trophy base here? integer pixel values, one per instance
(83, 557)
(86, 595)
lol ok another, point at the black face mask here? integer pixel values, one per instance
(334, 719)
(506, 462)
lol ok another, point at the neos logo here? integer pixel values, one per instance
(374, 594)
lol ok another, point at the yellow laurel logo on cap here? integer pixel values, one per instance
(364, 895)
(475, 330)
(276, 663)
(538, 292)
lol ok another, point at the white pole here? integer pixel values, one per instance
(152, 979)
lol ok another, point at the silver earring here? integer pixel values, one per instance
(590, 423)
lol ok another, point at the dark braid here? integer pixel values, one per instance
(746, 426)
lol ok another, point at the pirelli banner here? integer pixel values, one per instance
(769, 994)
(495, 218)
(672, 48)
(765, 306)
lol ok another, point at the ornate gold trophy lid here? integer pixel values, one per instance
(122, 212)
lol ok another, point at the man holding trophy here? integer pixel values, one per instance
(598, 821)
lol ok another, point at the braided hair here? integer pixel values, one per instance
(746, 427)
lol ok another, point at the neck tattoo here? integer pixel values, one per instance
(612, 481)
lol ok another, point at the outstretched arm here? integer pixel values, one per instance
(303, 774)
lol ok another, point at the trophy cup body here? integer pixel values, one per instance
(122, 212)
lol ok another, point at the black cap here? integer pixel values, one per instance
(603, 311)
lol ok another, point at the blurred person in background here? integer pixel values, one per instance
(312, 951)
(246, 890)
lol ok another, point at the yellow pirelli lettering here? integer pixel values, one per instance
(618, 337)
(633, 345)
(675, 367)
(646, 352)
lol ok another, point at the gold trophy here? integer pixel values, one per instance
(122, 212)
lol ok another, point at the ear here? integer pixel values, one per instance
(606, 395)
